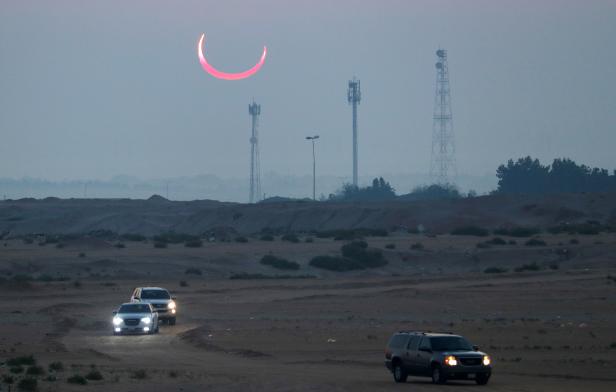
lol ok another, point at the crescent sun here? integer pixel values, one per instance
(224, 75)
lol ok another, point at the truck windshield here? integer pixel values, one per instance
(450, 343)
(154, 294)
(134, 308)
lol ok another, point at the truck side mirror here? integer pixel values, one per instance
(475, 347)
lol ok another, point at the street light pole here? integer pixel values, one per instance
(314, 167)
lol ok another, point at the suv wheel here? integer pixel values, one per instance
(482, 378)
(438, 377)
(171, 321)
(400, 374)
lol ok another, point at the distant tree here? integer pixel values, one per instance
(380, 190)
(433, 192)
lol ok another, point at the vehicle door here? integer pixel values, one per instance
(423, 357)
(411, 353)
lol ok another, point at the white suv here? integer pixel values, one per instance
(160, 299)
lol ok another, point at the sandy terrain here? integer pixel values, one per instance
(548, 330)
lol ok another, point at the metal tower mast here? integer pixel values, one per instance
(354, 97)
(443, 161)
(255, 165)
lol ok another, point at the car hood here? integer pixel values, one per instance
(155, 301)
(133, 315)
(466, 354)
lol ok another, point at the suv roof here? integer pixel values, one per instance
(427, 333)
(152, 288)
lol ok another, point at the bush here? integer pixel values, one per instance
(8, 379)
(192, 271)
(279, 263)
(518, 231)
(390, 246)
(535, 242)
(417, 246)
(497, 241)
(335, 263)
(82, 255)
(309, 240)
(613, 345)
(183, 283)
(528, 267)
(290, 237)
(574, 241)
(554, 266)
(354, 249)
(267, 237)
(174, 238)
(27, 384)
(56, 366)
(352, 234)
(132, 237)
(140, 374)
(193, 244)
(495, 270)
(471, 230)
(35, 371)
(241, 239)
(160, 245)
(16, 369)
(77, 379)
(24, 360)
(94, 375)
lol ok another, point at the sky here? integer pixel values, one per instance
(95, 89)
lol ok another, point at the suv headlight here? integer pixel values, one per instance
(486, 360)
(171, 305)
(146, 320)
(117, 320)
(451, 360)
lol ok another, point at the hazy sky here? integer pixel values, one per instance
(92, 89)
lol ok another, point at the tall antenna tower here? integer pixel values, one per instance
(354, 97)
(443, 162)
(255, 164)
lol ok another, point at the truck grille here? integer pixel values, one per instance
(470, 361)
(160, 306)
(131, 322)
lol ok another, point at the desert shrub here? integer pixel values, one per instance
(246, 276)
(27, 384)
(77, 284)
(193, 244)
(160, 245)
(35, 370)
(140, 374)
(574, 241)
(267, 237)
(495, 270)
(554, 266)
(309, 240)
(16, 369)
(417, 246)
(82, 255)
(512, 242)
(241, 239)
(183, 283)
(174, 238)
(535, 242)
(8, 379)
(45, 278)
(193, 271)
(24, 360)
(120, 245)
(613, 346)
(56, 366)
(290, 237)
(471, 230)
(28, 240)
(351, 234)
(51, 378)
(497, 241)
(390, 246)
(335, 263)
(173, 374)
(60, 245)
(518, 231)
(133, 237)
(354, 249)
(528, 267)
(483, 245)
(77, 379)
(94, 375)
(279, 263)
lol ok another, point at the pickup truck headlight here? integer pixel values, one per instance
(451, 360)
(171, 305)
(117, 320)
(146, 320)
(486, 360)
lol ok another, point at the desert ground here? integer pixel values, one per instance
(548, 329)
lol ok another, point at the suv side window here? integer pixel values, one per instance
(425, 344)
(136, 294)
(398, 341)
(413, 343)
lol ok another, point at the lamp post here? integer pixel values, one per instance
(314, 167)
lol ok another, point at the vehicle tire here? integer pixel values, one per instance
(400, 375)
(438, 377)
(482, 378)
(171, 321)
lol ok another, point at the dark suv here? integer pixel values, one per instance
(442, 356)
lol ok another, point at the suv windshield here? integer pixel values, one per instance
(154, 294)
(134, 308)
(450, 343)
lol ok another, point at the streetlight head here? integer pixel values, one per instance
(315, 137)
